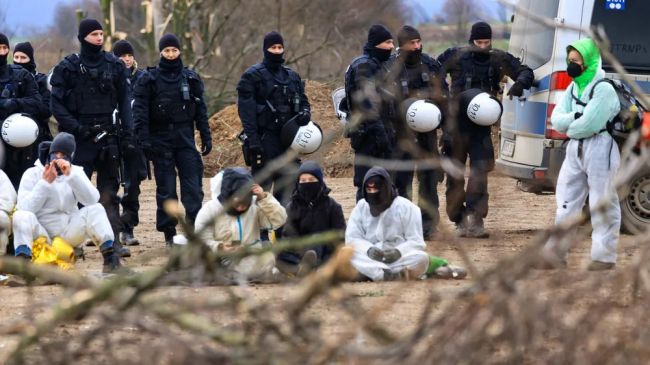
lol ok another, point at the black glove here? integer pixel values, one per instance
(376, 254)
(206, 146)
(9, 106)
(391, 255)
(303, 118)
(256, 156)
(577, 115)
(517, 90)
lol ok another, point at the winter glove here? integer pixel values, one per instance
(206, 146)
(256, 156)
(517, 90)
(391, 255)
(9, 106)
(376, 254)
(577, 115)
(303, 118)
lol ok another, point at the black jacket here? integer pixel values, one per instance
(305, 217)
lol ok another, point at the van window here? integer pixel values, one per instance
(534, 37)
(627, 33)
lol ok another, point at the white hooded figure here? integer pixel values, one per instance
(229, 229)
(7, 204)
(385, 231)
(48, 198)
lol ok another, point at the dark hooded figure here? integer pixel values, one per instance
(311, 210)
(235, 186)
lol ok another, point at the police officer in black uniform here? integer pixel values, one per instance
(364, 81)
(415, 74)
(18, 94)
(135, 165)
(86, 90)
(476, 66)
(168, 106)
(269, 95)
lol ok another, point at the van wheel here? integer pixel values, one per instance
(635, 203)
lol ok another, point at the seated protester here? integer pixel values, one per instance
(7, 204)
(385, 231)
(311, 210)
(239, 209)
(48, 199)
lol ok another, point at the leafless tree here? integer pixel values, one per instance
(460, 13)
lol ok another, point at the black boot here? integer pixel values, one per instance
(169, 237)
(120, 250)
(127, 237)
(111, 258)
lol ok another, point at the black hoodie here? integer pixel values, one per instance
(383, 199)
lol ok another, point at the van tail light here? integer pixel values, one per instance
(560, 80)
(645, 127)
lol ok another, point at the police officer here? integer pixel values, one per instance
(269, 95)
(135, 164)
(18, 94)
(86, 90)
(168, 106)
(476, 66)
(415, 74)
(364, 80)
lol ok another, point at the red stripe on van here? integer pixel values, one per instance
(560, 80)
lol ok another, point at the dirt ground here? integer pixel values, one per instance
(514, 220)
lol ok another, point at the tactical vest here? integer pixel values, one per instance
(413, 81)
(350, 75)
(173, 101)
(93, 96)
(278, 100)
(11, 85)
(475, 74)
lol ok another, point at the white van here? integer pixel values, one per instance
(530, 150)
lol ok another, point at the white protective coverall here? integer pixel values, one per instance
(267, 213)
(589, 172)
(7, 204)
(51, 210)
(399, 226)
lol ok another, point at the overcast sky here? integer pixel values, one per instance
(39, 13)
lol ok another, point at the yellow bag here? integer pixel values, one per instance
(60, 253)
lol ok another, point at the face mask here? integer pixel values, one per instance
(309, 190)
(382, 54)
(3, 60)
(413, 57)
(273, 58)
(574, 70)
(373, 198)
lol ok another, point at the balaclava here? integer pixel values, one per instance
(379, 178)
(27, 49)
(378, 34)
(4, 40)
(272, 60)
(90, 53)
(171, 66)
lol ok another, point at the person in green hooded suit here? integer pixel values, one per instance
(592, 158)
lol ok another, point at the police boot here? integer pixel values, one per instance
(120, 250)
(475, 228)
(111, 258)
(169, 237)
(127, 237)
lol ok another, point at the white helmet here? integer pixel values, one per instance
(484, 109)
(19, 130)
(422, 116)
(304, 140)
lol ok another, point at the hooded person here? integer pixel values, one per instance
(269, 95)
(18, 94)
(233, 218)
(48, 204)
(592, 158)
(385, 231)
(374, 136)
(7, 205)
(168, 108)
(311, 210)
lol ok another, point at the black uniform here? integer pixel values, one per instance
(471, 68)
(375, 136)
(269, 95)
(86, 90)
(418, 76)
(18, 94)
(136, 169)
(168, 106)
